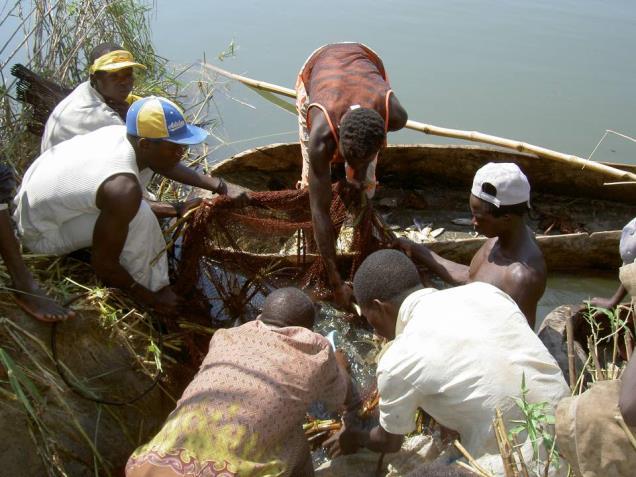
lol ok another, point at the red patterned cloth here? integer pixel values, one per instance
(243, 412)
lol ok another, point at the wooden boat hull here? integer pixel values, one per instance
(432, 182)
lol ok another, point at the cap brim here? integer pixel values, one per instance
(121, 66)
(191, 136)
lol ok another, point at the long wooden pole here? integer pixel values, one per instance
(473, 136)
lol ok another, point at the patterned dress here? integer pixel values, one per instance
(243, 412)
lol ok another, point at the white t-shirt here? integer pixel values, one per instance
(62, 183)
(81, 112)
(459, 354)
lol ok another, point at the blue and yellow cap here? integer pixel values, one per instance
(159, 118)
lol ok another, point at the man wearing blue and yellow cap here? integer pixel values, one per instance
(86, 192)
(104, 101)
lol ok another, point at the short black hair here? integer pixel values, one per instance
(515, 209)
(439, 470)
(384, 275)
(362, 133)
(102, 49)
(288, 307)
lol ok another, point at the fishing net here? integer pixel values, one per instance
(269, 243)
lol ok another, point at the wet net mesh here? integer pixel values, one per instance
(268, 244)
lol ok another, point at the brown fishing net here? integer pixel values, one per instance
(40, 94)
(267, 244)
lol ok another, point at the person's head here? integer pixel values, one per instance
(381, 284)
(500, 197)
(159, 133)
(362, 133)
(288, 307)
(111, 71)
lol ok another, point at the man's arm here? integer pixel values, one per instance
(627, 398)
(321, 149)
(449, 271)
(397, 114)
(610, 303)
(348, 441)
(185, 175)
(173, 209)
(118, 199)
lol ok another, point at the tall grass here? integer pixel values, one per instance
(53, 38)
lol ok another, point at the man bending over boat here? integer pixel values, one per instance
(86, 192)
(104, 100)
(27, 293)
(458, 354)
(510, 259)
(345, 108)
(242, 414)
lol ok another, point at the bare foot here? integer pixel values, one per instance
(36, 303)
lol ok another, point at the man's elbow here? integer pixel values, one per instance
(398, 120)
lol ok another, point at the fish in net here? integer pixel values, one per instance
(268, 243)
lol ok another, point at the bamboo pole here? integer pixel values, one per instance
(471, 460)
(473, 136)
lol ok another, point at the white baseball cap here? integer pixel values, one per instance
(627, 244)
(511, 185)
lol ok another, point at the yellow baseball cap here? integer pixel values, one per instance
(115, 61)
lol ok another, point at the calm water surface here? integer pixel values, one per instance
(557, 74)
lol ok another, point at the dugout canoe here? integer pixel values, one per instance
(577, 219)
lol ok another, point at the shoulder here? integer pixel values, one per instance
(81, 97)
(524, 275)
(401, 356)
(525, 280)
(120, 193)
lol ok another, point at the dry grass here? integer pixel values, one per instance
(111, 349)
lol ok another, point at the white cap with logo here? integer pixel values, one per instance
(511, 185)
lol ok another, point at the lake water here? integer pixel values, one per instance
(556, 74)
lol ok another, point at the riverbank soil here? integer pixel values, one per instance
(47, 428)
